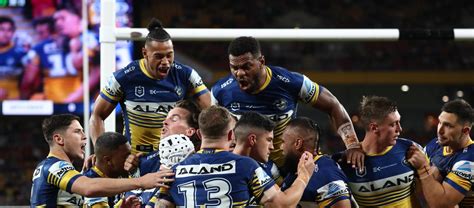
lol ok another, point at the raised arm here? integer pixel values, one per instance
(102, 110)
(328, 103)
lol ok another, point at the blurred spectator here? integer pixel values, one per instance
(12, 59)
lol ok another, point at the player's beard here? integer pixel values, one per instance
(290, 164)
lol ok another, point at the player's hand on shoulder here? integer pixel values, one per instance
(89, 162)
(356, 157)
(157, 179)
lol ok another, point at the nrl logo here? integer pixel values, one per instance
(361, 173)
(179, 91)
(139, 91)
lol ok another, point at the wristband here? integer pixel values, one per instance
(304, 183)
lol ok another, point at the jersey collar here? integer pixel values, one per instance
(100, 173)
(447, 150)
(268, 78)
(210, 151)
(143, 68)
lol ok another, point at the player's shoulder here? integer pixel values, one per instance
(224, 83)
(132, 68)
(325, 160)
(284, 75)
(182, 68)
(406, 143)
(432, 145)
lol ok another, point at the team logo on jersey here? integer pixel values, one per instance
(235, 106)
(178, 90)
(316, 168)
(360, 173)
(281, 104)
(139, 91)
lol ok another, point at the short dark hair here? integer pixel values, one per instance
(307, 126)
(45, 21)
(57, 123)
(194, 110)
(243, 45)
(108, 142)
(214, 122)
(4, 19)
(156, 32)
(461, 109)
(375, 108)
(252, 120)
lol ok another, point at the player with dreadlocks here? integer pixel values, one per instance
(147, 89)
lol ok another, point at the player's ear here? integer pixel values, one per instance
(299, 143)
(57, 138)
(252, 139)
(198, 133)
(261, 59)
(144, 51)
(190, 132)
(466, 130)
(373, 127)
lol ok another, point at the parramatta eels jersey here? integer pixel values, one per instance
(276, 99)
(146, 101)
(149, 163)
(12, 59)
(98, 202)
(327, 185)
(61, 78)
(52, 183)
(387, 179)
(457, 168)
(218, 178)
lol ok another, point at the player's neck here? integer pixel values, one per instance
(464, 142)
(59, 153)
(215, 144)
(371, 146)
(102, 167)
(263, 76)
(241, 150)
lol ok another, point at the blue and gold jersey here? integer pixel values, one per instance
(218, 178)
(272, 170)
(97, 202)
(149, 163)
(61, 78)
(146, 101)
(457, 168)
(276, 99)
(12, 59)
(387, 179)
(327, 185)
(52, 183)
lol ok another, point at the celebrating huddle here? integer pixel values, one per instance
(242, 144)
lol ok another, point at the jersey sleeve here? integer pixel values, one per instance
(62, 174)
(214, 100)
(112, 92)
(197, 85)
(260, 183)
(334, 187)
(309, 92)
(461, 176)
